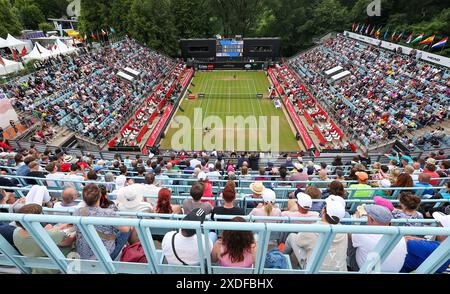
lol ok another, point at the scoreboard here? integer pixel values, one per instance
(229, 48)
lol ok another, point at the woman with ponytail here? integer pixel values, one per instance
(164, 205)
(268, 208)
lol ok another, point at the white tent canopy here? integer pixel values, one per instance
(9, 67)
(39, 53)
(2, 42)
(11, 42)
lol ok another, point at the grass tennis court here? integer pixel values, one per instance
(230, 116)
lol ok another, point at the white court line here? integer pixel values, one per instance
(251, 100)
(201, 103)
(259, 102)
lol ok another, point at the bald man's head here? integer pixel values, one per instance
(69, 195)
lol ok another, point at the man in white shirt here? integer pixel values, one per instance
(122, 178)
(73, 177)
(151, 190)
(68, 197)
(363, 244)
(54, 175)
(213, 174)
(185, 248)
(194, 162)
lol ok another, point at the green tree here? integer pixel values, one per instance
(30, 15)
(95, 15)
(119, 14)
(151, 22)
(45, 27)
(9, 23)
(53, 8)
(238, 17)
(194, 18)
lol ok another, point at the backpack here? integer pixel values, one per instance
(275, 259)
(134, 253)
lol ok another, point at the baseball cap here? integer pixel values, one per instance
(442, 218)
(335, 209)
(363, 176)
(269, 196)
(383, 202)
(197, 215)
(379, 213)
(334, 198)
(304, 200)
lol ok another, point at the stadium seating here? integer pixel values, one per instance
(83, 93)
(387, 95)
(104, 263)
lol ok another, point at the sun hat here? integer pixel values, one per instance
(257, 188)
(130, 197)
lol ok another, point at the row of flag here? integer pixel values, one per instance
(373, 31)
(97, 35)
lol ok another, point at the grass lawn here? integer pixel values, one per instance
(235, 118)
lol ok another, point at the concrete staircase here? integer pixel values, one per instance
(419, 133)
(62, 135)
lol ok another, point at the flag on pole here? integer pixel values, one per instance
(353, 27)
(85, 38)
(93, 36)
(393, 36)
(361, 30)
(24, 51)
(2, 62)
(386, 34)
(400, 36)
(428, 40)
(114, 31)
(103, 32)
(409, 38)
(372, 31)
(440, 44)
(357, 28)
(368, 29)
(418, 39)
(377, 33)
(14, 53)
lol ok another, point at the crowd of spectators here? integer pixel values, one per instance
(110, 187)
(386, 95)
(83, 92)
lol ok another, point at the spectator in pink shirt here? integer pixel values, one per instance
(301, 208)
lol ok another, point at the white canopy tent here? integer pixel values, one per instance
(2, 42)
(39, 53)
(11, 42)
(63, 48)
(9, 66)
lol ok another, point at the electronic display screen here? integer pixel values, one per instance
(230, 48)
